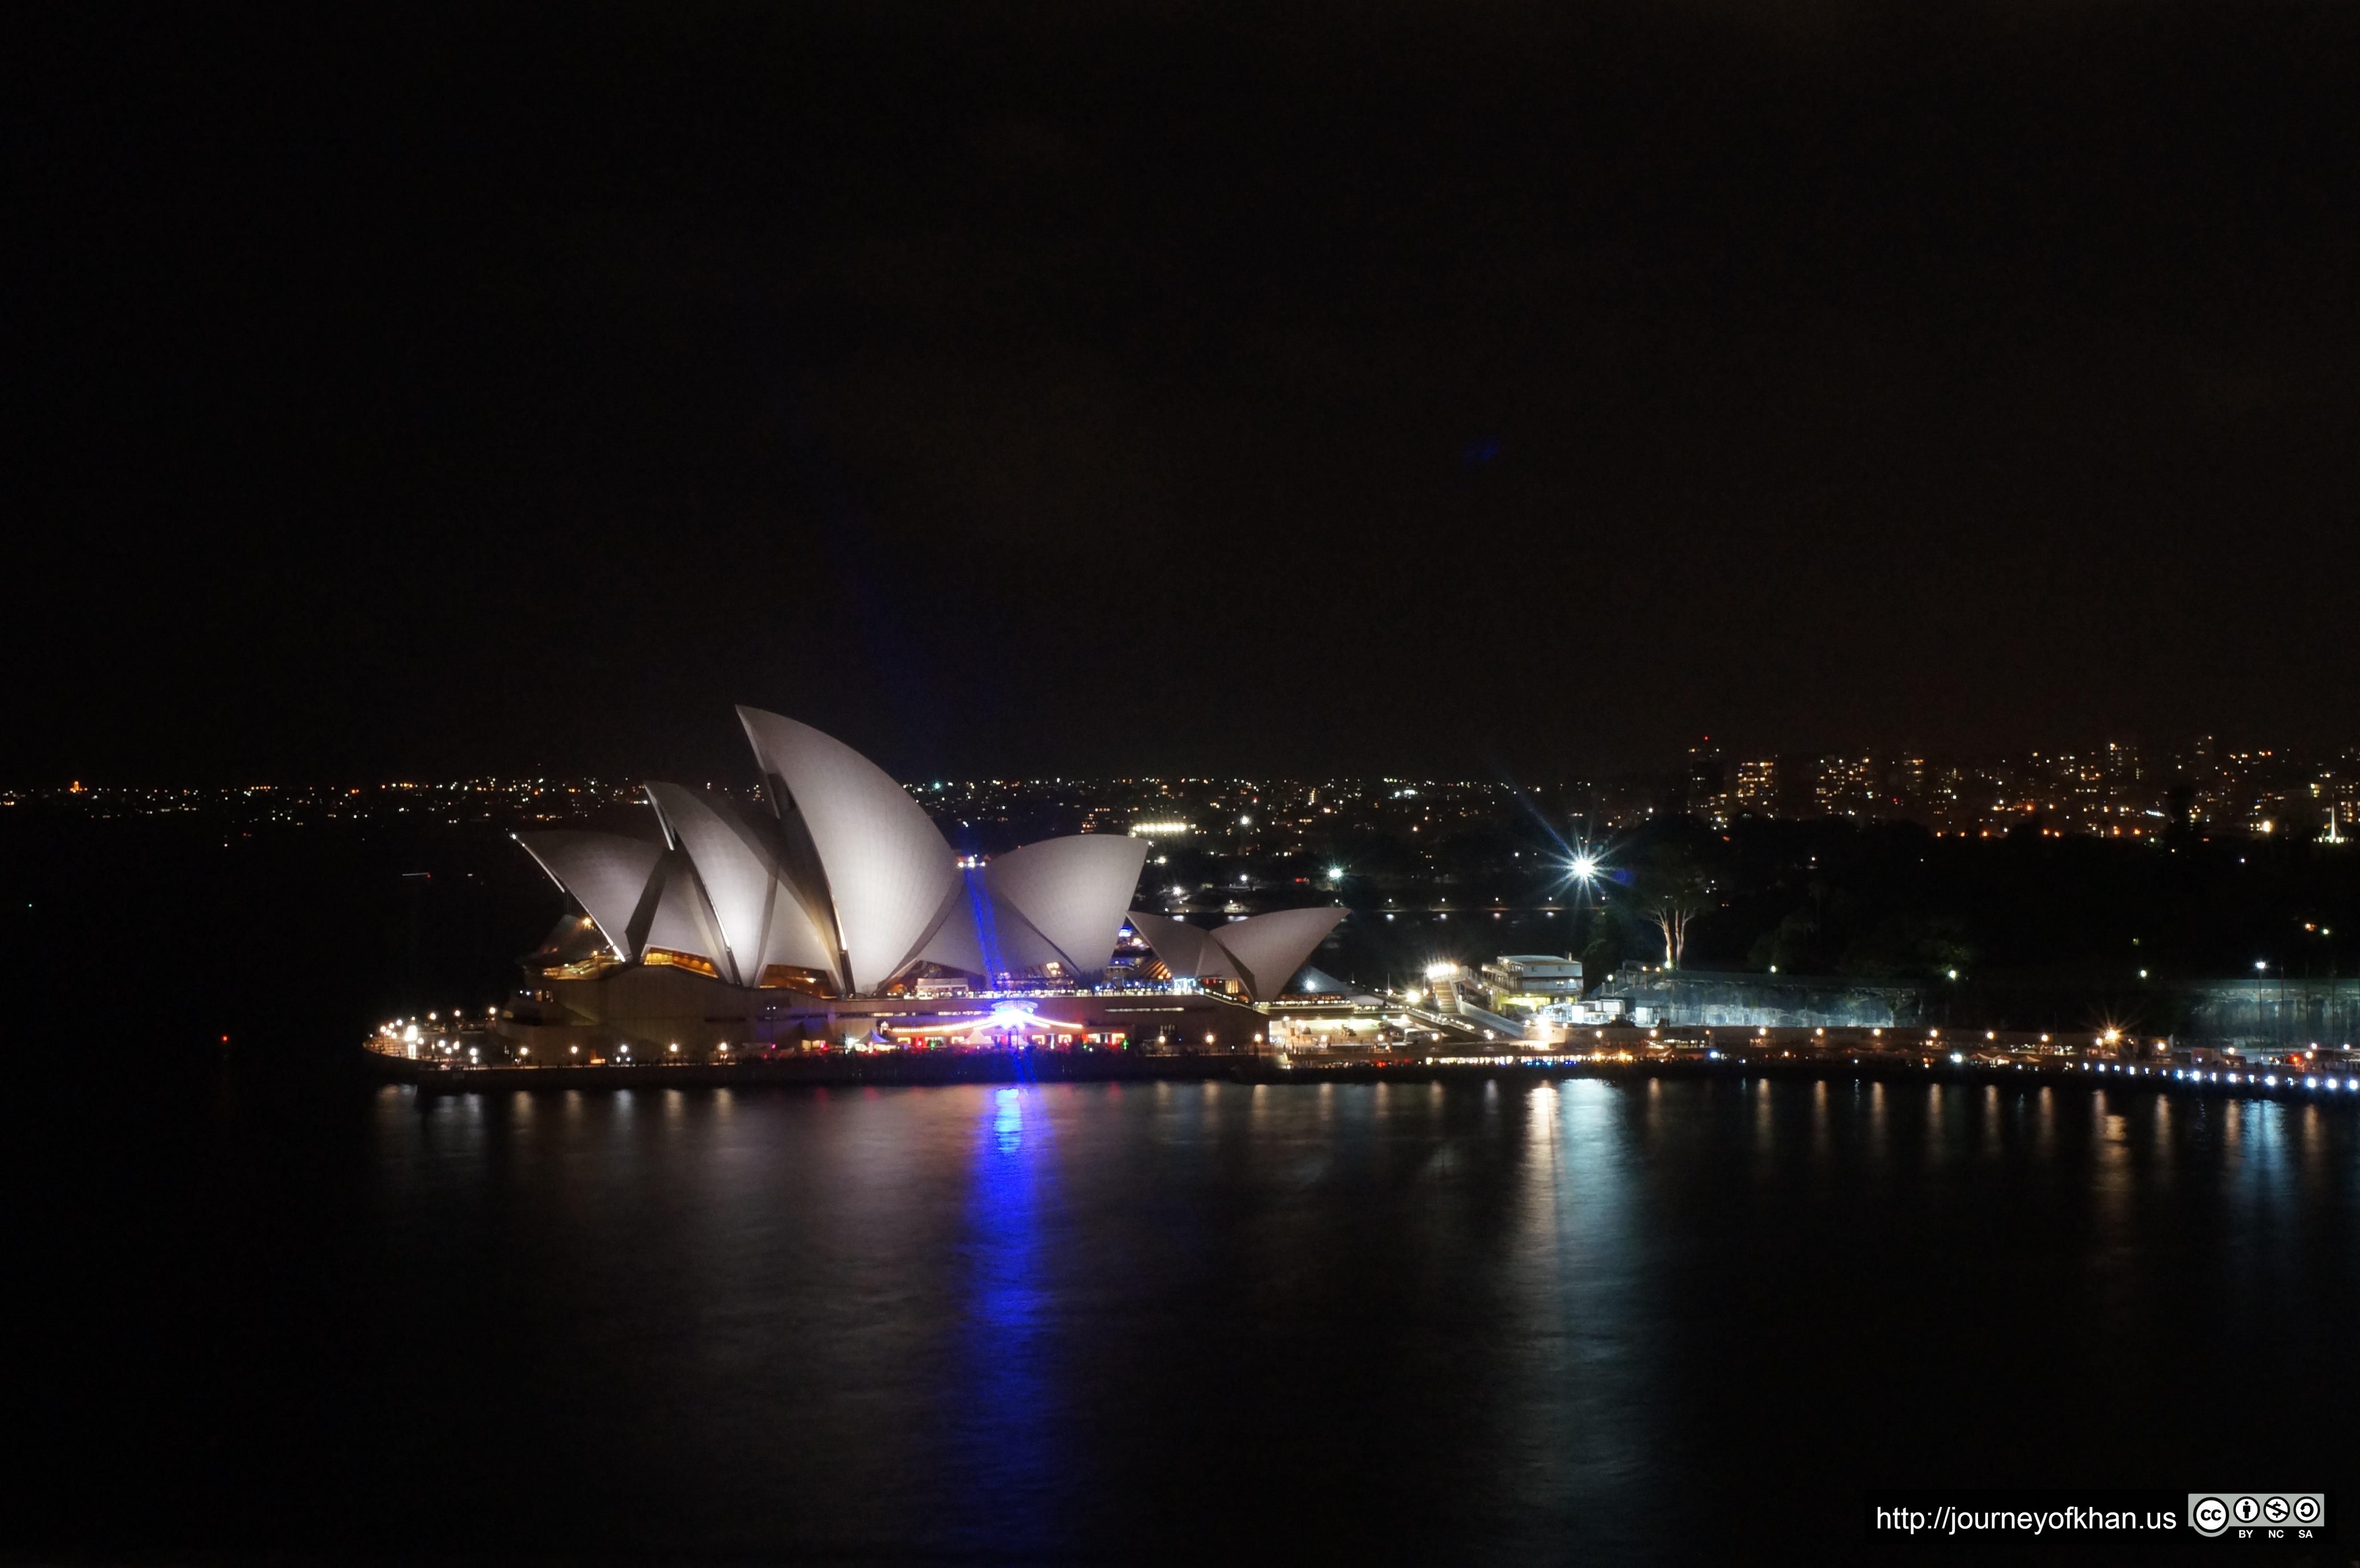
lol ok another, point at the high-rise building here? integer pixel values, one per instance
(1706, 785)
(1905, 785)
(1845, 786)
(1756, 791)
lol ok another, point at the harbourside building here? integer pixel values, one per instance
(836, 913)
(1691, 997)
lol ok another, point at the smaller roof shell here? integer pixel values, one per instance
(606, 873)
(1072, 892)
(1268, 949)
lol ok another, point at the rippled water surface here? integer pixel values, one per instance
(1513, 1321)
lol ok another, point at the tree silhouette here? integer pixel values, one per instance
(1671, 890)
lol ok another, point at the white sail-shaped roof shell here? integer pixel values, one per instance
(1073, 891)
(891, 880)
(1217, 964)
(985, 934)
(683, 921)
(736, 882)
(794, 939)
(741, 878)
(1268, 949)
(957, 942)
(1260, 954)
(606, 873)
(855, 882)
(1017, 943)
(1180, 945)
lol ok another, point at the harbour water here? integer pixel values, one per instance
(1504, 1320)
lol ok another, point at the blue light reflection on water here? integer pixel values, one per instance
(1003, 1405)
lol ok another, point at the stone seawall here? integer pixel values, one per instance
(2273, 1015)
(1767, 1001)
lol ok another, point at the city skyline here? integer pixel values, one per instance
(2118, 787)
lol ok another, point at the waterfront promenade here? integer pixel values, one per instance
(2329, 1077)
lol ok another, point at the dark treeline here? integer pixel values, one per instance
(1867, 899)
(2033, 928)
(1894, 900)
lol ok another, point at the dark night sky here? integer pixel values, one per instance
(1440, 388)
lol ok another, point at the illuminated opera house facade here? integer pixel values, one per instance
(833, 913)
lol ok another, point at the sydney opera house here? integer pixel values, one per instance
(834, 912)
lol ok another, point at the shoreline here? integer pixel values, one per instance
(882, 1070)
